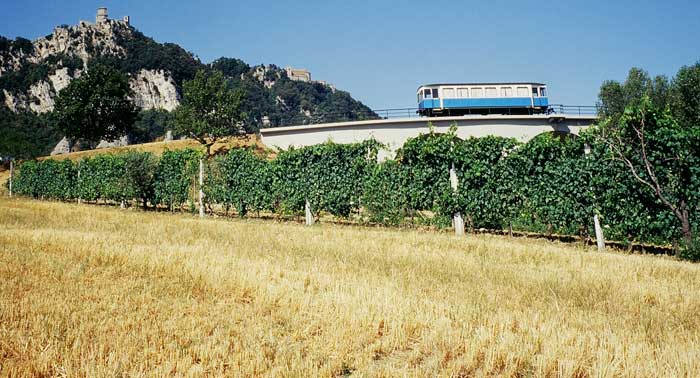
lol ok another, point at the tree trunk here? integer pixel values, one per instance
(685, 225)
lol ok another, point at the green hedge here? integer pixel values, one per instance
(175, 177)
(49, 179)
(385, 193)
(330, 176)
(116, 178)
(547, 185)
(240, 180)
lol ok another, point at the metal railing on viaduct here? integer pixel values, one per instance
(330, 117)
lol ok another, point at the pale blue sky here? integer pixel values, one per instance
(380, 51)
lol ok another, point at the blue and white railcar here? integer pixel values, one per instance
(482, 98)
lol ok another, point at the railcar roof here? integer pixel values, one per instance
(500, 83)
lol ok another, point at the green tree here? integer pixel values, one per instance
(685, 95)
(614, 96)
(151, 124)
(611, 99)
(231, 67)
(661, 154)
(25, 134)
(95, 106)
(210, 109)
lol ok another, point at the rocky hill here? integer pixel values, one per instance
(33, 72)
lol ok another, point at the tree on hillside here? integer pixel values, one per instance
(24, 134)
(210, 109)
(230, 67)
(95, 106)
(685, 95)
(614, 96)
(151, 124)
(661, 154)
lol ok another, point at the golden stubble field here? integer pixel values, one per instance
(92, 291)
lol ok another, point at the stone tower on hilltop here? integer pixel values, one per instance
(101, 15)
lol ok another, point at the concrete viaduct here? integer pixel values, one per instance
(394, 132)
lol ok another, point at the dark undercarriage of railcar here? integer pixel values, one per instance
(482, 111)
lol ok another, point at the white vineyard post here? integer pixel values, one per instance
(598, 233)
(12, 174)
(599, 237)
(201, 188)
(309, 218)
(457, 218)
(79, 194)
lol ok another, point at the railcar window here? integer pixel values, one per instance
(534, 92)
(491, 92)
(426, 93)
(522, 92)
(477, 92)
(435, 93)
(506, 91)
(448, 93)
(463, 92)
(543, 92)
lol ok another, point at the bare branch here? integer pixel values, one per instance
(620, 156)
(650, 170)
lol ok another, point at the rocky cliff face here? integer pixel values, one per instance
(39, 98)
(84, 41)
(45, 66)
(155, 89)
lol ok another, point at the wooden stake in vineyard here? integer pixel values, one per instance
(599, 238)
(201, 188)
(79, 193)
(457, 219)
(12, 174)
(309, 217)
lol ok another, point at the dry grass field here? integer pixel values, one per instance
(91, 291)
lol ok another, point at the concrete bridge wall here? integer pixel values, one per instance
(394, 132)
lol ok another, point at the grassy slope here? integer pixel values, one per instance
(94, 291)
(250, 140)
